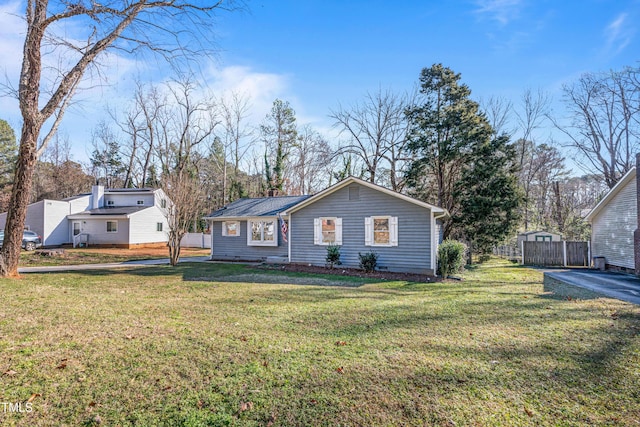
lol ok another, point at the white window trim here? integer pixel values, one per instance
(107, 226)
(276, 228)
(393, 231)
(224, 229)
(159, 225)
(317, 231)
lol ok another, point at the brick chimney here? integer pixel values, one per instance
(636, 233)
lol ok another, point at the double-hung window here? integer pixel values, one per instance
(112, 226)
(327, 231)
(381, 231)
(262, 233)
(231, 228)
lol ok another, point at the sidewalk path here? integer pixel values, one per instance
(84, 267)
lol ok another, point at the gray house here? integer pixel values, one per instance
(354, 214)
(251, 229)
(614, 221)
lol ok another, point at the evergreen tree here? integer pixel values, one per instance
(280, 135)
(442, 135)
(8, 157)
(488, 195)
(8, 153)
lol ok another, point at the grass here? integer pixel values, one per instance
(100, 256)
(215, 344)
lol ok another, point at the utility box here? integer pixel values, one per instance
(599, 263)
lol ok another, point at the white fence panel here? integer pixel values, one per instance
(196, 240)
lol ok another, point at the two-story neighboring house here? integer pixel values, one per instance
(129, 217)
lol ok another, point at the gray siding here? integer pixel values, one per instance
(235, 247)
(613, 227)
(413, 253)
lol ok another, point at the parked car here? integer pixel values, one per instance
(30, 240)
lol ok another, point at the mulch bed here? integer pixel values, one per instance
(338, 271)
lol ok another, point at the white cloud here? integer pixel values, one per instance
(619, 33)
(261, 89)
(503, 11)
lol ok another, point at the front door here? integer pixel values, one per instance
(77, 228)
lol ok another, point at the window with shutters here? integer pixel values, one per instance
(381, 231)
(327, 231)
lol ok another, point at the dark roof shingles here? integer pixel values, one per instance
(265, 206)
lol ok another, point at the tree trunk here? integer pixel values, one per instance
(17, 212)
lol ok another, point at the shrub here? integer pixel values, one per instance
(368, 261)
(451, 257)
(333, 255)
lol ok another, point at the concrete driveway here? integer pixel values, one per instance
(625, 287)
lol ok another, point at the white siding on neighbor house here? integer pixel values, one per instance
(96, 228)
(56, 226)
(35, 217)
(128, 199)
(236, 248)
(412, 254)
(79, 204)
(47, 218)
(612, 228)
(144, 227)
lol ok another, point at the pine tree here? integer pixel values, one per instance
(280, 135)
(489, 195)
(443, 132)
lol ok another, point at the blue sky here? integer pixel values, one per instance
(321, 54)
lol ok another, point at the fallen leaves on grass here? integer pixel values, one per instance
(9, 372)
(340, 343)
(340, 370)
(246, 406)
(33, 397)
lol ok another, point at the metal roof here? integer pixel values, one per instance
(263, 206)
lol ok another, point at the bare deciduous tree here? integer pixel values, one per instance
(377, 134)
(129, 26)
(188, 201)
(498, 111)
(312, 156)
(604, 126)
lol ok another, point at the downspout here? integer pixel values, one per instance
(436, 240)
(289, 238)
(210, 222)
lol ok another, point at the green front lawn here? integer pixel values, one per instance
(215, 344)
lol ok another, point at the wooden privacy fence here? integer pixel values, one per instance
(556, 254)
